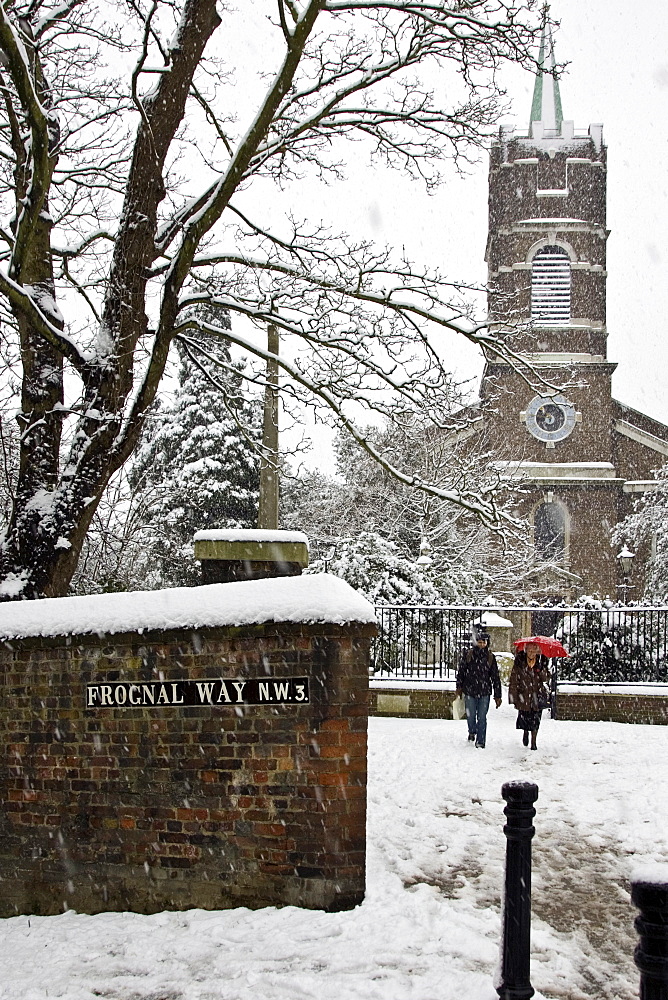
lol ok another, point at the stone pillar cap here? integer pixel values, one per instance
(252, 545)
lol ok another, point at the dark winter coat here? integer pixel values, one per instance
(526, 682)
(478, 673)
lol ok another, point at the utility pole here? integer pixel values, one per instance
(268, 506)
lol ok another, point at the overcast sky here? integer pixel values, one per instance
(618, 75)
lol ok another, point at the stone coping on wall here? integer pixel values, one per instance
(316, 598)
(84, 641)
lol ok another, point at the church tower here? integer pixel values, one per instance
(579, 454)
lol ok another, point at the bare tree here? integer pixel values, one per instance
(125, 192)
(468, 561)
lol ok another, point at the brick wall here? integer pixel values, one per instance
(413, 703)
(157, 808)
(417, 703)
(638, 708)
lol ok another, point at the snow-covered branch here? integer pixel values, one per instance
(132, 175)
(482, 503)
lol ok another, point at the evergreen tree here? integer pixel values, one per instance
(198, 463)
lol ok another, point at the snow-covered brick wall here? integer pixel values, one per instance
(318, 598)
(196, 748)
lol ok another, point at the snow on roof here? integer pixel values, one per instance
(312, 598)
(552, 221)
(551, 138)
(567, 465)
(249, 535)
(490, 619)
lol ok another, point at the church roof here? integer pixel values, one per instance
(546, 104)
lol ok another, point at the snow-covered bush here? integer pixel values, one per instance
(374, 566)
(647, 527)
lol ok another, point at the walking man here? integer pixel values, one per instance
(478, 674)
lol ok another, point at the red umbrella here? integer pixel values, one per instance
(548, 646)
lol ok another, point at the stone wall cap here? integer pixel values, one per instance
(249, 535)
(251, 545)
(312, 598)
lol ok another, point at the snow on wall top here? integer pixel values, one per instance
(249, 535)
(313, 598)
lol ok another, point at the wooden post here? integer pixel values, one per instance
(268, 506)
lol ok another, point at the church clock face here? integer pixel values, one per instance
(550, 419)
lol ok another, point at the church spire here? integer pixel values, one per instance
(546, 104)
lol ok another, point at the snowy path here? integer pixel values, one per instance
(429, 928)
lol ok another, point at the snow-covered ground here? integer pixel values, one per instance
(429, 927)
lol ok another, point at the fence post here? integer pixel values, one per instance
(649, 892)
(554, 681)
(515, 984)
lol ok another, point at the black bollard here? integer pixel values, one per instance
(650, 895)
(515, 970)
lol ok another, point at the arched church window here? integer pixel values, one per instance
(551, 287)
(549, 532)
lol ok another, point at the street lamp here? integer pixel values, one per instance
(424, 560)
(626, 558)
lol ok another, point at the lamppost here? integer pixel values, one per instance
(424, 560)
(626, 558)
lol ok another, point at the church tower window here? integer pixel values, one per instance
(549, 532)
(551, 287)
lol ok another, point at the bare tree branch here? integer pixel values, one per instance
(128, 179)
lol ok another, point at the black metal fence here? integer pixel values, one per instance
(415, 641)
(609, 645)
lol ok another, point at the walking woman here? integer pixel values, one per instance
(527, 690)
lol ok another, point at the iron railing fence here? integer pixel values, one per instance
(609, 645)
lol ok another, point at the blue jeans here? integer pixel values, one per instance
(476, 716)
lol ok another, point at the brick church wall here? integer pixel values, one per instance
(591, 439)
(151, 808)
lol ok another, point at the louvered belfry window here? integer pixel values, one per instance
(551, 287)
